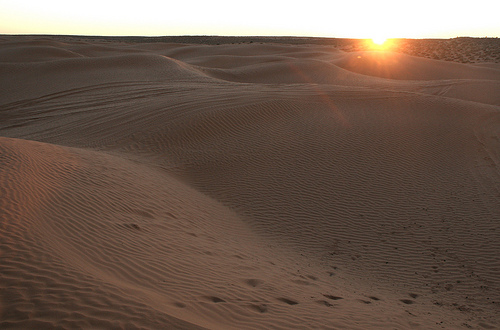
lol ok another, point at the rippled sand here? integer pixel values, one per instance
(246, 186)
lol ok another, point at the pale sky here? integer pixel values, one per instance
(342, 19)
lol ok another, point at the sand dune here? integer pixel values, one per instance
(248, 186)
(401, 66)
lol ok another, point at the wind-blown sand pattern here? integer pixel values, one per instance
(246, 186)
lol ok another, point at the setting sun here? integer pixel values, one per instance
(379, 40)
(380, 43)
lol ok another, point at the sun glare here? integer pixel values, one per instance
(379, 40)
(380, 43)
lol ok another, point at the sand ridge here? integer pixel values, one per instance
(245, 186)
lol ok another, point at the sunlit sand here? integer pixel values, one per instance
(249, 183)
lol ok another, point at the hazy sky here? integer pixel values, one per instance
(346, 18)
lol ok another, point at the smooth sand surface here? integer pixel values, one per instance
(246, 186)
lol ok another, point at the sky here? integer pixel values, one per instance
(340, 19)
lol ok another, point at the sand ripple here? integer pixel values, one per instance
(246, 186)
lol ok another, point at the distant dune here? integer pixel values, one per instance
(249, 183)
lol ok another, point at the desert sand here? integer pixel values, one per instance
(248, 184)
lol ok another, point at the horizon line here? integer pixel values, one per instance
(234, 36)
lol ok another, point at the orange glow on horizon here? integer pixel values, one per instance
(380, 43)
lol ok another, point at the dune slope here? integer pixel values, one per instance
(246, 187)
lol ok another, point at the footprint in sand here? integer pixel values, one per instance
(324, 302)
(179, 304)
(262, 308)
(253, 282)
(288, 301)
(215, 299)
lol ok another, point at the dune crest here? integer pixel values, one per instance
(247, 186)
